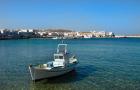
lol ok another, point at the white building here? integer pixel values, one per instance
(23, 30)
(41, 33)
(70, 34)
(49, 33)
(1, 31)
(110, 33)
(30, 30)
(99, 34)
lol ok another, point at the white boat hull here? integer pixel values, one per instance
(39, 73)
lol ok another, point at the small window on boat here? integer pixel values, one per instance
(60, 57)
(56, 57)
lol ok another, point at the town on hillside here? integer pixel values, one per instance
(51, 33)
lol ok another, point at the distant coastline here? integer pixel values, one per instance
(51, 34)
(128, 36)
(7, 34)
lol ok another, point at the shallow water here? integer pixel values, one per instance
(104, 64)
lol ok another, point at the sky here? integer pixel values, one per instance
(118, 16)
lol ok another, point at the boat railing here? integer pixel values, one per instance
(62, 48)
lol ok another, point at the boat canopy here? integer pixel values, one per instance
(62, 48)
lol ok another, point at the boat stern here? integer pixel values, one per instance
(31, 69)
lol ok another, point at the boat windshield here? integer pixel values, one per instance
(58, 56)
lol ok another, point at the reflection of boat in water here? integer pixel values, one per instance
(63, 62)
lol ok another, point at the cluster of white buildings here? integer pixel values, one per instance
(34, 33)
(89, 34)
(2, 31)
(74, 34)
(16, 34)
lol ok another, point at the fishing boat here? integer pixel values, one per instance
(63, 62)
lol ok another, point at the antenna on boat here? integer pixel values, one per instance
(62, 41)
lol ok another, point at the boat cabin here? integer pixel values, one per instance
(59, 60)
(59, 57)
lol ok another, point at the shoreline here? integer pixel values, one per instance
(68, 38)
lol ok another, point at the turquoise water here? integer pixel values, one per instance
(104, 64)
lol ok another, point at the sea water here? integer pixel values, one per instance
(104, 64)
